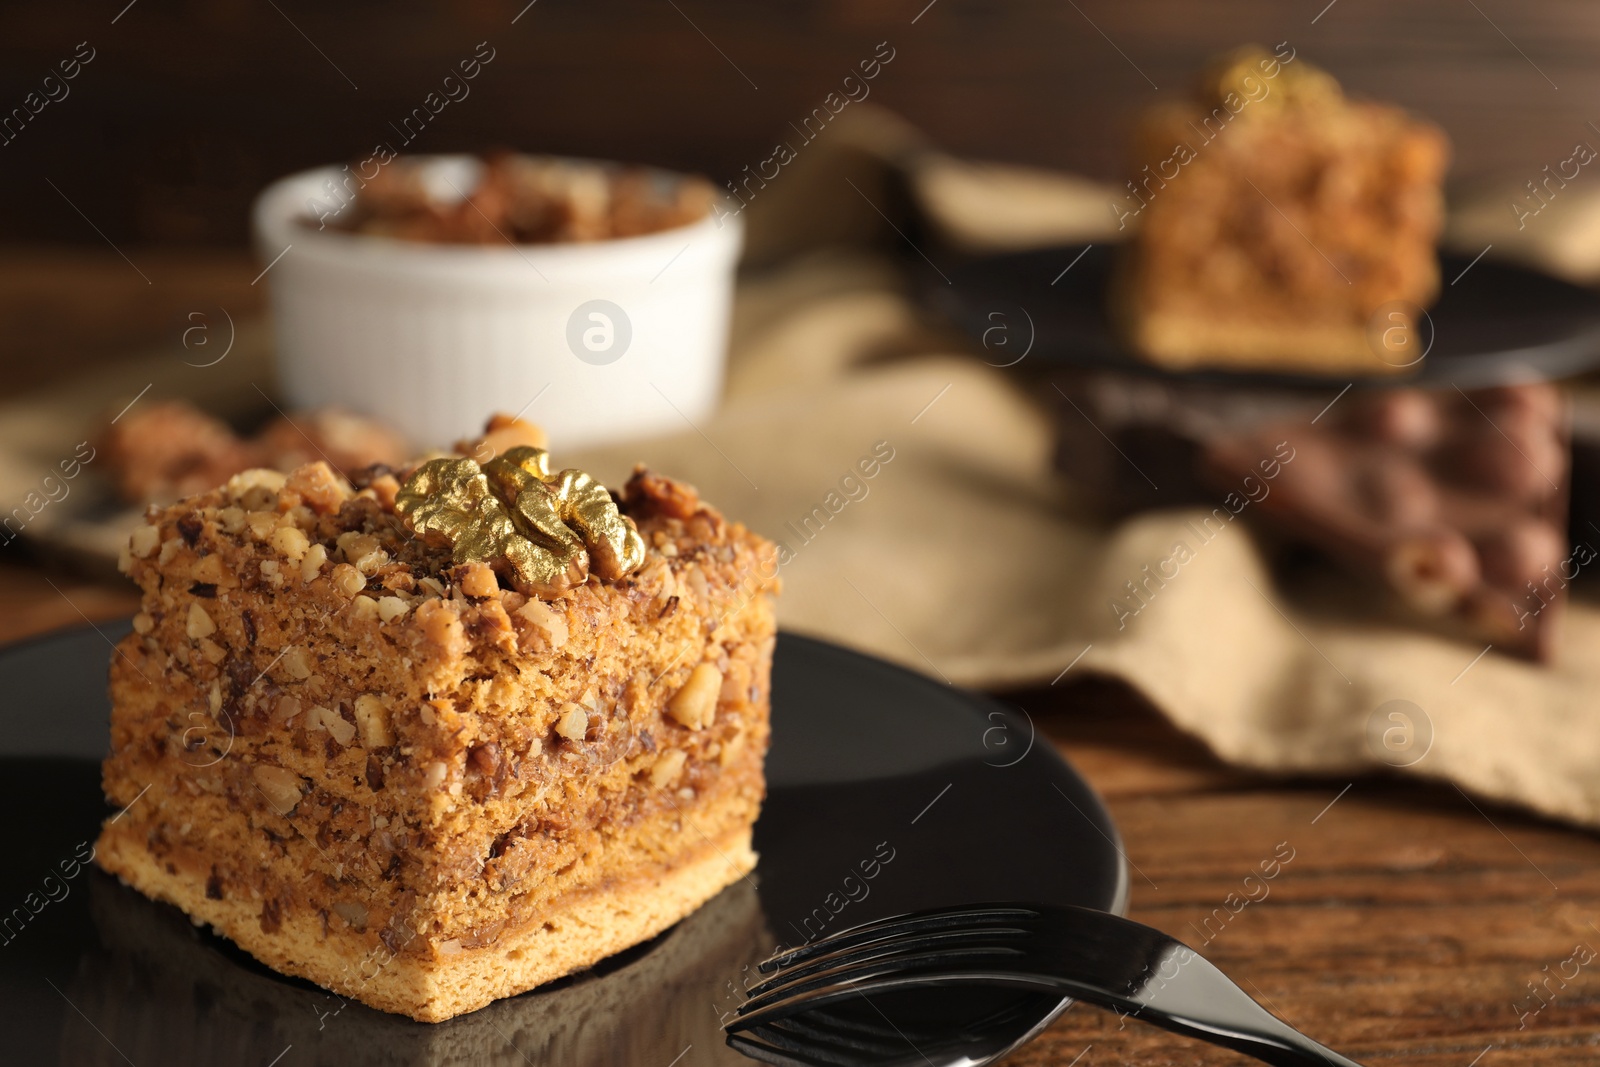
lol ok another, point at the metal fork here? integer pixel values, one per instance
(1088, 955)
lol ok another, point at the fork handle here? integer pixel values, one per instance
(1199, 1001)
(1182, 992)
(1196, 1000)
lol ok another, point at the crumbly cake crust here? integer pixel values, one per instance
(338, 747)
(161, 992)
(586, 926)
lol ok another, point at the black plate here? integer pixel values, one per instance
(1496, 322)
(944, 796)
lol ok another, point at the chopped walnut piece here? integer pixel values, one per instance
(574, 722)
(348, 580)
(354, 544)
(331, 721)
(477, 580)
(208, 570)
(650, 493)
(492, 624)
(735, 684)
(434, 774)
(255, 478)
(295, 663)
(668, 767)
(441, 628)
(199, 623)
(384, 487)
(547, 619)
(695, 705)
(145, 540)
(319, 486)
(281, 787)
(291, 543)
(372, 719)
(261, 523)
(311, 565)
(372, 562)
(353, 913)
(288, 707)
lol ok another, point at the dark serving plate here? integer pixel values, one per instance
(1493, 323)
(943, 795)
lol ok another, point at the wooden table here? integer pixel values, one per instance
(1407, 927)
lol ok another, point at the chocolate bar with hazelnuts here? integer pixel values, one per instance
(1454, 502)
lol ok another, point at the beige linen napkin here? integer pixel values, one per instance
(967, 559)
(913, 488)
(970, 561)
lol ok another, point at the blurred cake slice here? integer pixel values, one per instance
(1278, 225)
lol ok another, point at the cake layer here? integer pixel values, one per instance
(160, 992)
(579, 928)
(227, 840)
(1184, 340)
(351, 836)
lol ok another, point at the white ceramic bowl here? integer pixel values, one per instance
(595, 342)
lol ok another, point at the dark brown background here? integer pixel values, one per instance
(190, 107)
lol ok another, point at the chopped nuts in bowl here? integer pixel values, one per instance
(595, 296)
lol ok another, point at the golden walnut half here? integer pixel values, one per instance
(544, 533)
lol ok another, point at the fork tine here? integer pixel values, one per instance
(889, 945)
(810, 1047)
(749, 1047)
(765, 1045)
(842, 1024)
(817, 997)
(825, 1030)
(985, 958)
(846, 1025)
(755, 1048)
(876, 1025)
(844, 1034)
(816, 1035)
(781, 1042)
(894, 925)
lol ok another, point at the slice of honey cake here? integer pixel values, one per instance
(445, 734)
(1280, 225)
